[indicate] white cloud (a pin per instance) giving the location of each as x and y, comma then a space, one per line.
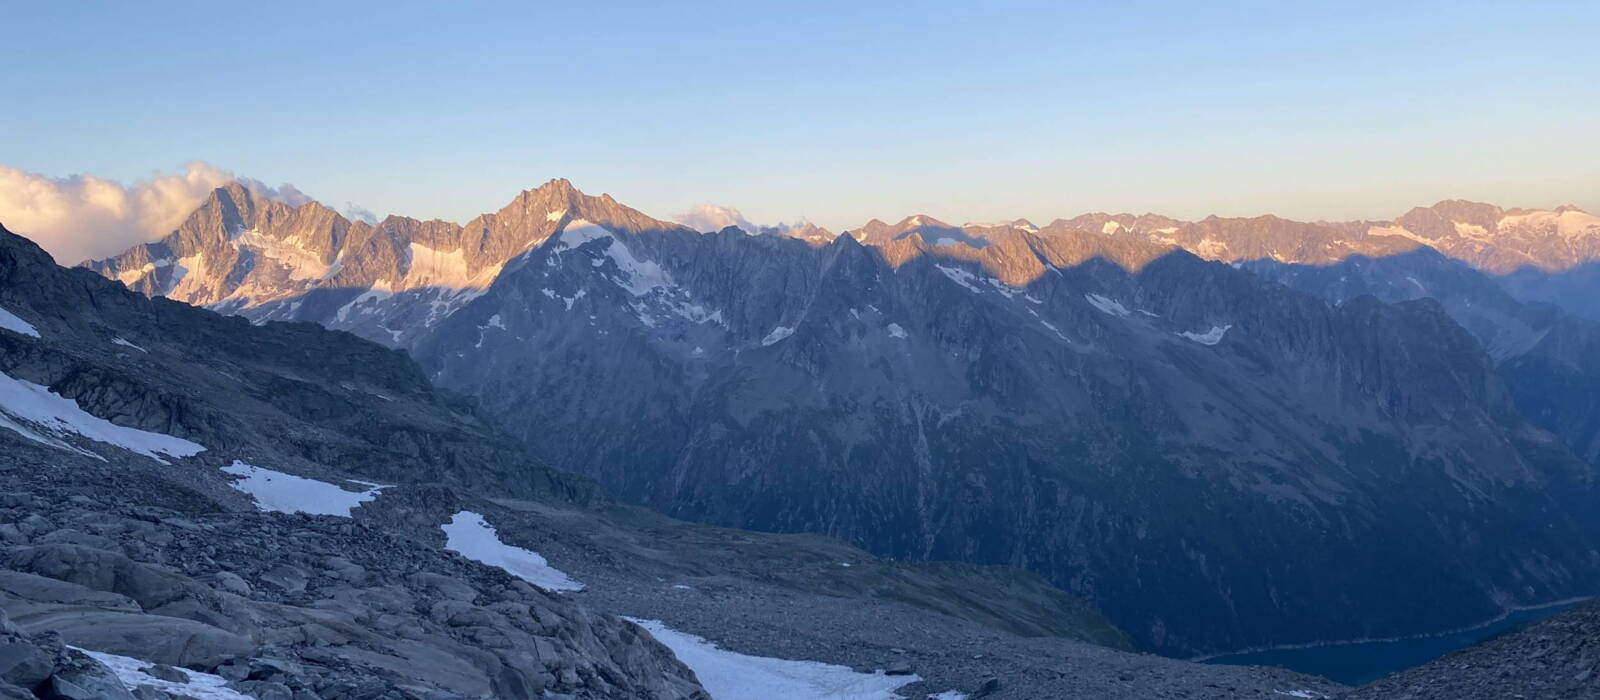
83, 216
711, 217
286, 193
356, 212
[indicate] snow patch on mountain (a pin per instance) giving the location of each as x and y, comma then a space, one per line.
124, 343
1473, 231
25, 401
200, 686
579, 231
569, 301
132, 276
430, 267
641, 275
698, 314
1211, 337
729, 675
638, 276
11, 322
469, 535
24, 431
278, 492
1569, 224
1398, 232
1107, 305
961, 277
1007, 290
189, 274
777, 334
288, 253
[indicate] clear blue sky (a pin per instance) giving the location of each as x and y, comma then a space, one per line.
835, 111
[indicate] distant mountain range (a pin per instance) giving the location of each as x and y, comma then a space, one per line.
1190, 423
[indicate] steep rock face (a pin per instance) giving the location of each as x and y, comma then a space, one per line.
244, 254
1548, 359
167, 367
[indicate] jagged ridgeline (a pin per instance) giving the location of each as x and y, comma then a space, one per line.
213, 507
1218, 461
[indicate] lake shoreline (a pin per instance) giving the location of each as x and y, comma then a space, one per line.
1504, 613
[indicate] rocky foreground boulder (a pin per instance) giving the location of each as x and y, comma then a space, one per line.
294, 607
41, 665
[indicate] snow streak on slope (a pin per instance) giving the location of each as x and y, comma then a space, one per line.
26, 401
1211, 337
961, 277
1108, 306
287, 493
124, 343
777, 334
10, 322
469, 535
290, 254
201, 686
730, 675
639, 276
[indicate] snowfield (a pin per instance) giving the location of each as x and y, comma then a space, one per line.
961, 277
1108, 306
10, 322
777, 334
124, 343
286, 493
730, 675
201, 686
469, 535
1211, 337
26, 401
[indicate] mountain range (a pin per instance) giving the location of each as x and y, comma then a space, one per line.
1186, 423
199, 507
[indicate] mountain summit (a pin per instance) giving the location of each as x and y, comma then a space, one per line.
263, 259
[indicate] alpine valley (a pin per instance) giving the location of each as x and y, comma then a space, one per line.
1224, 434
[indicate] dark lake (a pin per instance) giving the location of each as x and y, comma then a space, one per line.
1359, 663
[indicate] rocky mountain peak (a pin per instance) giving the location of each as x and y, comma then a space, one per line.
811, 233
921, 221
